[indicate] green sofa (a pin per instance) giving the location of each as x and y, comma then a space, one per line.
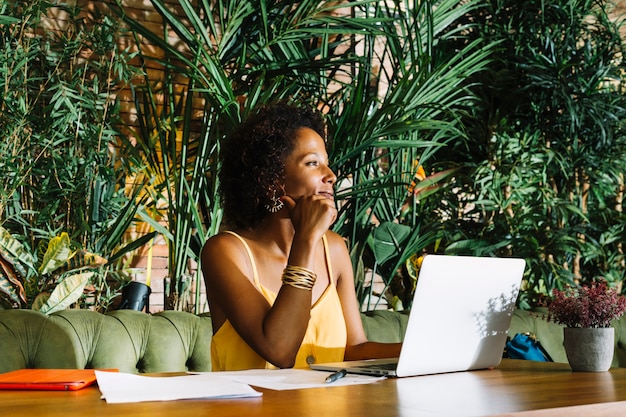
172, 341
131, 341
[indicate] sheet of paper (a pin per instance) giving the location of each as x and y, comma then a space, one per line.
129, 388
286, 379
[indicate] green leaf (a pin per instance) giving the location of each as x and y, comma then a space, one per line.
66, 293
40, 301
387, 239
15, 253
8, 20
11, 289
57, 254
83, 259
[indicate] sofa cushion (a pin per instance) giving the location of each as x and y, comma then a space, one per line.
29, 339
174, 341
384, 325
131, 341
127, 340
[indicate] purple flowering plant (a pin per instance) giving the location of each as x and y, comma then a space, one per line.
594, 305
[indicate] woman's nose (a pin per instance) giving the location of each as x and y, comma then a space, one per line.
330, 176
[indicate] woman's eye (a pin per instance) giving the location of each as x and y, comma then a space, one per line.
312, 163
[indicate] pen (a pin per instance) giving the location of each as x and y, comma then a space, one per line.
335, 376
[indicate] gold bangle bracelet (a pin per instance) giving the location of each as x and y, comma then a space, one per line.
299, 277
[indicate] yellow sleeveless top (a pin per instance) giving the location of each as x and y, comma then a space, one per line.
324, 341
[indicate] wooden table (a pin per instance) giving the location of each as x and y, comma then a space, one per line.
516, 387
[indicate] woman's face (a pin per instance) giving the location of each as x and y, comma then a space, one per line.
306, 168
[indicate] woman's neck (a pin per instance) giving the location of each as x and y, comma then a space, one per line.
275, 233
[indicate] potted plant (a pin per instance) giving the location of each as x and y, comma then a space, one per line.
587, 313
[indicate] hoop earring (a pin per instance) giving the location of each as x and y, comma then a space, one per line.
276, 206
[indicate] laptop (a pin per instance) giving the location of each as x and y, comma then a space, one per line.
459, 320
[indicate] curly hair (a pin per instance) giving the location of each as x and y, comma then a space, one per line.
253, 160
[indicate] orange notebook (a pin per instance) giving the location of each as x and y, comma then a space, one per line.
47, 379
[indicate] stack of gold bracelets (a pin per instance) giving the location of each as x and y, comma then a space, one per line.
299, 277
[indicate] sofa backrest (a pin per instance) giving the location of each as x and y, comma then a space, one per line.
175, 341
131, 341
127, 340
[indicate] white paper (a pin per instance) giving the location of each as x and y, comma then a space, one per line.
286, 379
119, 387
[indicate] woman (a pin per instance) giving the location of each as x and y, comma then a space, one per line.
280, 285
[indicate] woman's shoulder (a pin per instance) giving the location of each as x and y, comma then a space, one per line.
220, 243
335, 240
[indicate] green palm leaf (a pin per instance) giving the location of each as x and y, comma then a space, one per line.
394, 88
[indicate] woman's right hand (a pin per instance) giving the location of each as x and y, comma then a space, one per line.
311, 215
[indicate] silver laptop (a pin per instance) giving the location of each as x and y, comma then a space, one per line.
459, 319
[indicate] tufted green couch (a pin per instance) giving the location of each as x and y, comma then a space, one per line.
169, 341
127, 340
172, 341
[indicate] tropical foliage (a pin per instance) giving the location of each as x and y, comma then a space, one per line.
515, 109
51, 283
61, 69
485, 127
545, 169
392, 78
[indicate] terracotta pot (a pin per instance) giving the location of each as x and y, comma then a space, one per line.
589, 349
